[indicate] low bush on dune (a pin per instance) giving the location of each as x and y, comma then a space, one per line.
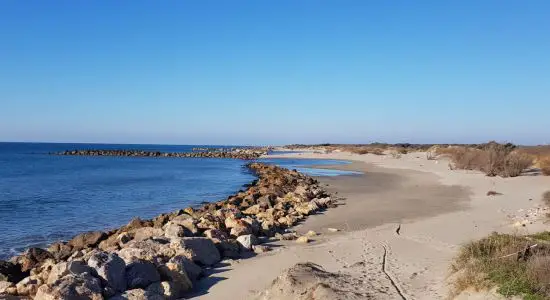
517, 265
360, 151
516, 163
544, 165
364, 150
493, 159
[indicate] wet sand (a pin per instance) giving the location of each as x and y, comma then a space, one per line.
382, 196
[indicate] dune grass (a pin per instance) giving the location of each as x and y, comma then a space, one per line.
544, 165
493, 159
502, 260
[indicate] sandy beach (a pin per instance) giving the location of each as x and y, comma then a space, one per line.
400, 225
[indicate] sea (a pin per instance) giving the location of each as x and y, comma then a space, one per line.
46, 198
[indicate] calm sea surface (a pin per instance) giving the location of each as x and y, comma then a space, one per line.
45, 198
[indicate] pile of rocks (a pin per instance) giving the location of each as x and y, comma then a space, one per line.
162, 258
247, 154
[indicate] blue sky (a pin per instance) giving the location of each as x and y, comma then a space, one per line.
287, 71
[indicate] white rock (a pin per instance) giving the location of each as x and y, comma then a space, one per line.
247, 241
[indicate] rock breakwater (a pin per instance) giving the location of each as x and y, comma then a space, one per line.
238, 153
161, 258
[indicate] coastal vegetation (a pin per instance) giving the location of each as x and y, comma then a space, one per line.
491, 158
515, 265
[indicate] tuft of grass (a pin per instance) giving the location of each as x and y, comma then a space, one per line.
543, 236
494, 261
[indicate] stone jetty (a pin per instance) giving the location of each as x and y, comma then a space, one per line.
236, 153
162, 258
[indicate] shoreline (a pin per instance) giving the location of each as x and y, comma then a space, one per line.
196, 238
419, 255
408, 215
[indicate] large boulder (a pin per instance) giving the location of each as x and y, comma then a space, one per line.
188, 222
199, 249
135, 223
42, 272
140, 274
193, 271
62, 269
176, 274
209, 221
28, 286
7, 288
229, 249
81, 287
111, 270
253, 210
216, 234
156, 250
307, 208
173, 230
241, 230
60, 250
11, 272
145, 233
87, 240
110, 244
33, 258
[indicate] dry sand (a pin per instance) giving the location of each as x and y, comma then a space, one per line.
435, 208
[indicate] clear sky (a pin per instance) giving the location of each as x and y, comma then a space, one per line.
285, 71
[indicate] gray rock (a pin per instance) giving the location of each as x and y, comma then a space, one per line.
58, 271
188, 223
140, 274
193, 270
144, 233
78, 267
111, 270
77, 287
200, 249
87, 240
151, 250
247, 241
229, 249
172, 230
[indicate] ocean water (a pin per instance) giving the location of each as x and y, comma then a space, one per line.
46, 198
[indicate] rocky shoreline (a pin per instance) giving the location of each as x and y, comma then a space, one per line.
235, 153
163, 257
